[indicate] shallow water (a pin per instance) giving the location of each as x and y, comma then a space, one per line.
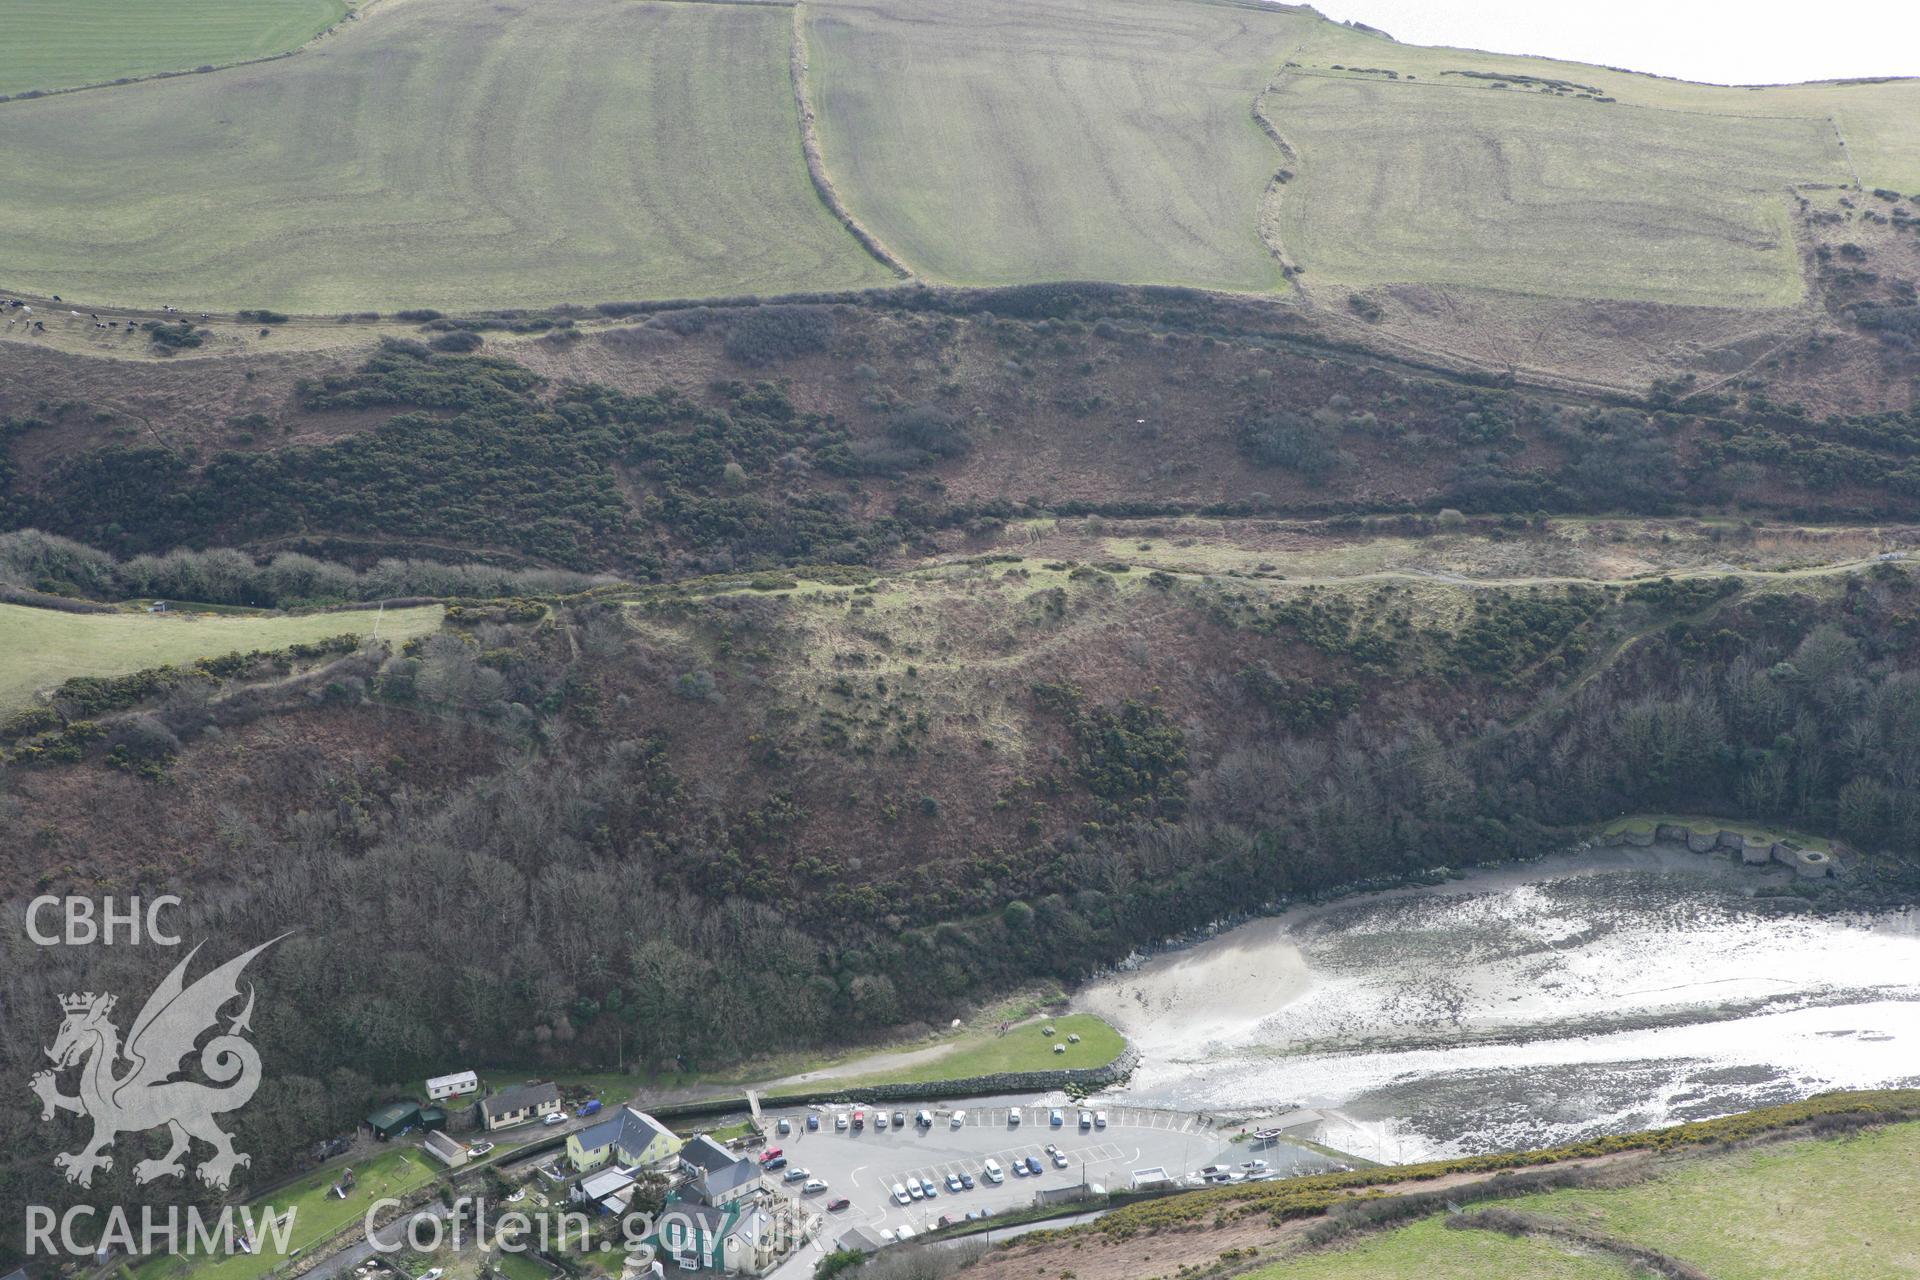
1590, 993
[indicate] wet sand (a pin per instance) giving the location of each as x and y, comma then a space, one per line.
1600, 992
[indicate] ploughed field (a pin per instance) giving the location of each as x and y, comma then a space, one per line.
433, 153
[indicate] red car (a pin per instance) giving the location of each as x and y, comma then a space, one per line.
835, 1206
768, 1155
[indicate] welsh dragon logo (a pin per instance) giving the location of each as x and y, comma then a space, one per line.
146, 1095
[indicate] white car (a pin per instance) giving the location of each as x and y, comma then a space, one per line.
840, 1120
906, 1232
814, 1187
555, 1118
1099, 1119
900, 1195
886, 1233
880, 1120
959, 1118
1013, 1118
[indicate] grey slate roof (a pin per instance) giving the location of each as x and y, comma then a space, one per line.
521, 1097
705, 1154
626, 1130
718, 1182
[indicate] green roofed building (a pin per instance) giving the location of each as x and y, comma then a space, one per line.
396, 1118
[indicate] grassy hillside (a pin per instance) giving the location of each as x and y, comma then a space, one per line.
43, 647
1071, 139
437, 154
55, 44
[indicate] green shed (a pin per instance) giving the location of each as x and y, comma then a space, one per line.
396, 1118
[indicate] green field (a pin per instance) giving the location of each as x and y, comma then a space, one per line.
1796, 1211
1449, 184
57, 44
40, 647
1018, 140
437, 153
1429, 1251
1800, 1210
317, 1215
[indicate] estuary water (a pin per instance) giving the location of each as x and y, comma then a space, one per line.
1588, 993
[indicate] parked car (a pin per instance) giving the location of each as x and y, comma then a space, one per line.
991, 1171
900, 1195
966, 1180
555, 1118
1059, 1159
778, 1162
770, 1153
927, 1188
886, 1233
814, 1187
913, 1189
959, 1118
1019, 1167
1052, 1150
899, 1119
953, 1184
880, 1120
905, 1232
1013, 1118
795, 1174
591, 1109
840, 1120
1055, 1119
859, 1118
1099, 1119
924, 1119
479, 1149
1033, 1165
835, 1206
784, 1128
813, 1122
1086, 1119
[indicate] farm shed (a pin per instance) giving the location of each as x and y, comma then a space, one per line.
394, 1118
